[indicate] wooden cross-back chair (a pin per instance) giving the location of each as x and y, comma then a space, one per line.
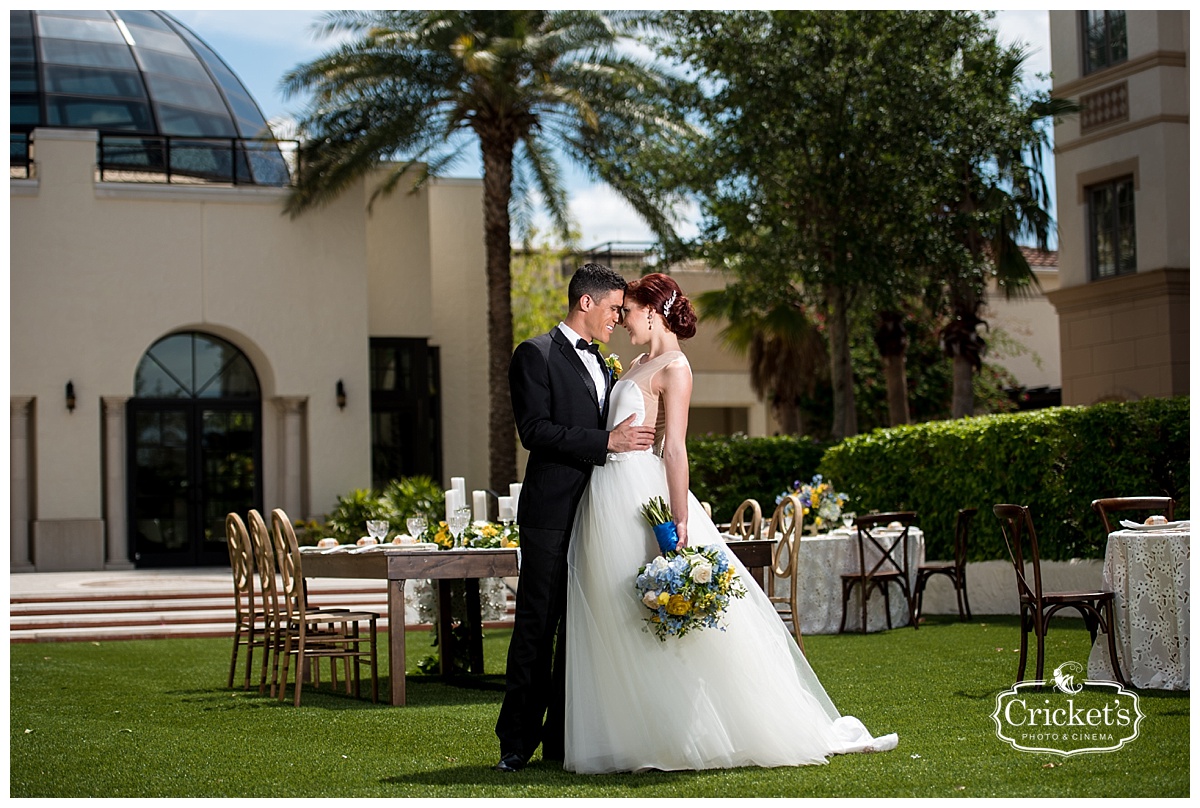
882, 561
1108, 505
1037, 605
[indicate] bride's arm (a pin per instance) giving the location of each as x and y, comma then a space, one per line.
676, 396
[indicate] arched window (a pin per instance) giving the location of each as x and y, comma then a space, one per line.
195, 449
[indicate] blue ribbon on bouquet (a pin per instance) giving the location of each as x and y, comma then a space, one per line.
667, 536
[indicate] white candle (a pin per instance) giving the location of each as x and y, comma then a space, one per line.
452, 502
515, 492
480, 503
459, 484
506, 508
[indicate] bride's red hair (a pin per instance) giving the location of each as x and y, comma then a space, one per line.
655, 291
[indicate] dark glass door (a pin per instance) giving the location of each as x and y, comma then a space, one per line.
191, 464
195, 450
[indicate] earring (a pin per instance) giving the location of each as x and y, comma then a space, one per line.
650, 320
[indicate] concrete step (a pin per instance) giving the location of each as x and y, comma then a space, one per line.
151, 606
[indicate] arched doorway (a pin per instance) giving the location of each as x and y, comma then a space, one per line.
195, 449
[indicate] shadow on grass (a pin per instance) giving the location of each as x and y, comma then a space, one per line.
537, 773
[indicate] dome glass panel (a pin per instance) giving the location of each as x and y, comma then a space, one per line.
140, 73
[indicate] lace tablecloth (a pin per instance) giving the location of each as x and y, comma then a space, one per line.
823, 559
1149, 574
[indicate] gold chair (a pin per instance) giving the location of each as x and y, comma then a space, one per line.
1038, 606
1115, 504
268, 590
785, 528
955, 570
747, 520
249, 630
891, 566
298, 623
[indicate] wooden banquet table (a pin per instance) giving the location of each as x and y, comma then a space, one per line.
1148, 571
396, 565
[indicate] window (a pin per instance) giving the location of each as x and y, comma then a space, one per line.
1104, 39
1112, 232
406, 434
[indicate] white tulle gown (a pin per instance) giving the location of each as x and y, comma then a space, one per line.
711, 699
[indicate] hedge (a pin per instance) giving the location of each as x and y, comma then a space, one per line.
727, 470
1055, 460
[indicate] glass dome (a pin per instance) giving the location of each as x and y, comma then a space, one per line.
148, 84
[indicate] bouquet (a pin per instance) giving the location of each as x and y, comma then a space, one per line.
658, 515
687, 589
819, 501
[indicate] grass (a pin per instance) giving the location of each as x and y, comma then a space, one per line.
154, 719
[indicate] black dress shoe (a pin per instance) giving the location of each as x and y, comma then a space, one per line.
510, 763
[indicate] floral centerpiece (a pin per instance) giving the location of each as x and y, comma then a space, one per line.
480, 535
821, 503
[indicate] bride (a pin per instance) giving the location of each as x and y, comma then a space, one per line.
745, 696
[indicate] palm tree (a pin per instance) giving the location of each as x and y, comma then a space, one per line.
1003, 196
788, 357
424, 86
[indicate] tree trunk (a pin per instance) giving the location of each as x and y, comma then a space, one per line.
897, 389
788, 416
963, 401
497, 191
845, 418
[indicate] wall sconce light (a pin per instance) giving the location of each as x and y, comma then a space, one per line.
341, 395
70, 397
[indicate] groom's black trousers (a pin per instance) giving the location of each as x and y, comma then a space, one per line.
535, 682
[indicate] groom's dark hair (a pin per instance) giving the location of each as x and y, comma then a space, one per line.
595, 281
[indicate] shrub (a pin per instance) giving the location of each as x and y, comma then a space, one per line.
727, 470
1056, 461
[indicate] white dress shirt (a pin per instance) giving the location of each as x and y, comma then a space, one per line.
590, 361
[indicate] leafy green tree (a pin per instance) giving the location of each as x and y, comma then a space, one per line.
539, 290
998, 195
424, 86
824, 159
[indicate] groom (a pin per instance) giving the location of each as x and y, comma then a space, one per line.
559, 387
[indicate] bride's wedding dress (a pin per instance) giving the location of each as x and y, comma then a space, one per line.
745, 696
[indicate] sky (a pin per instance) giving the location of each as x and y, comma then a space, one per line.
260, 46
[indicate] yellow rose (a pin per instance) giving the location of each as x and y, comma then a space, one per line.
664, 598
678, 605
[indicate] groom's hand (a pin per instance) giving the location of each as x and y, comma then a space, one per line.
627, 437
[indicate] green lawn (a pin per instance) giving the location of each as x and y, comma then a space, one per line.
154, 719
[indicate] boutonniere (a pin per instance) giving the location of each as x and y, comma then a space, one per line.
614, 365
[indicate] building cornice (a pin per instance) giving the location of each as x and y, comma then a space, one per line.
1124, 288
1094, 81
1109, 132
188, 193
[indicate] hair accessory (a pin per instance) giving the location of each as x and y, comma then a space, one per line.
670, 302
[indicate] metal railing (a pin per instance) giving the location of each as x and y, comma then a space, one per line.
196, 161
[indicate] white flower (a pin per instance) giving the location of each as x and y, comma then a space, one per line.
650, 599
658, 565
702, 572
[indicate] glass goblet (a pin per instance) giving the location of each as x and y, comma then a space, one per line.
848, 519
458, 521
416, 526
377, 529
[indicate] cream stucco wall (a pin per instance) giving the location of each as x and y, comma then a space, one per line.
101, 271
1032, 322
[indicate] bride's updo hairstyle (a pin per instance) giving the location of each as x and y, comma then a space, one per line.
662, 294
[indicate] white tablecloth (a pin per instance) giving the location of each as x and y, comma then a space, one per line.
823, 559
1149, 574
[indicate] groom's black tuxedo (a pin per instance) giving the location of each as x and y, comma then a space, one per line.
562, 425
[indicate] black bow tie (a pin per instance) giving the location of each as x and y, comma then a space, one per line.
584, 345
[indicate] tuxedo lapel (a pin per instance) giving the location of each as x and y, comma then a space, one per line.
568, 352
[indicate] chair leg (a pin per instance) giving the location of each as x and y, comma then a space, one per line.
887, 608
958, 591
1025, 627
845, 604
1041, 649
374, 664
237, 640
966, 600
250, 653
920, 594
